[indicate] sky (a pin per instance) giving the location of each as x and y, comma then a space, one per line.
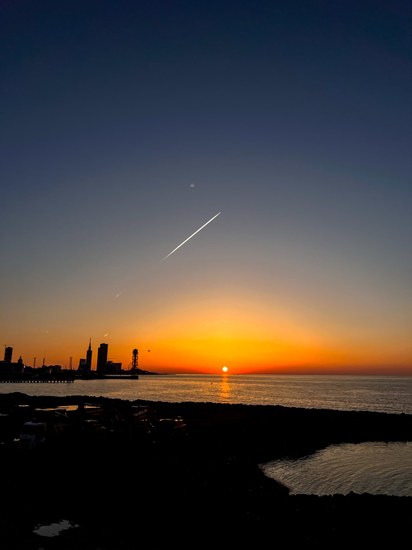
127, 126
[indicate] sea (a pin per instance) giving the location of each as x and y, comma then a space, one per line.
372, 467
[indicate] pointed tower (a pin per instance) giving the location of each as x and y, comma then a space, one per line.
89, 357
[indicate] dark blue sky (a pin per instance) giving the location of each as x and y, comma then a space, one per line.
126, 125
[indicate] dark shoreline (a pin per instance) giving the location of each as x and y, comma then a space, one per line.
144, 474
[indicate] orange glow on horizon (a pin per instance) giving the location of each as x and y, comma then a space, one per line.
200, 336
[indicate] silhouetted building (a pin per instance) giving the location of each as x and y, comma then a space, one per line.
102, 358
8, 354
82, 368
85, 365
51, 369
8, 368
113, 368
89, 357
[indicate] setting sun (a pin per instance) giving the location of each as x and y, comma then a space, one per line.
225, 369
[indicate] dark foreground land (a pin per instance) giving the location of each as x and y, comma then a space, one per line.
152, 475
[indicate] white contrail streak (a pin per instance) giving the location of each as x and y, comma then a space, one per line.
193, 234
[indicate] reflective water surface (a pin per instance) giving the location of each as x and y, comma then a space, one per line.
370, 393
375, 468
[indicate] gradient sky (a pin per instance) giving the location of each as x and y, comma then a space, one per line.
127, 125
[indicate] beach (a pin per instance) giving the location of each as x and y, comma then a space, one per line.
146, 474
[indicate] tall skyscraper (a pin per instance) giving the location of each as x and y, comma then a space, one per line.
102, 358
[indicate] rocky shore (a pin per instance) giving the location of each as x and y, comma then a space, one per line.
128, 475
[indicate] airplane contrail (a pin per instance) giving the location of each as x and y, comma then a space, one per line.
192, 235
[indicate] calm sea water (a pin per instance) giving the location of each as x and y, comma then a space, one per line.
376, 468
367, 393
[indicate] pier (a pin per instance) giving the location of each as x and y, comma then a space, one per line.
52, 379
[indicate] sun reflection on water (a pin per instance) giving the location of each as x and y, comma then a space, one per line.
225, 389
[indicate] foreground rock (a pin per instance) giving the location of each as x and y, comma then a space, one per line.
147, 474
